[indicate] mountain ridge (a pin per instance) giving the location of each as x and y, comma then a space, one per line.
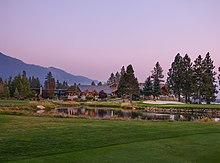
10, 66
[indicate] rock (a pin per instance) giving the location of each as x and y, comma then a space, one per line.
40, 111
40, 107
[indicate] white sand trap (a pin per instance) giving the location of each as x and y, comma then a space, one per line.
162, 102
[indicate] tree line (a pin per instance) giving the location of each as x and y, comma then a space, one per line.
22, 87
128, 85
193, 80
190, 80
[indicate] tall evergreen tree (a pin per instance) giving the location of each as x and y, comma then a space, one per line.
186, 77
219, 75
112, 79
157, 75
122, 71
6, 91
209, 81
117, 77
10, 85
174, 79
1, 88
122, 85
198, 75
128, 83
34, 82
49, 85
25, 86
16, 93
34, 85
148, 87
16, 83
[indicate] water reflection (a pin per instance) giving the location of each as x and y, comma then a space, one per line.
108, 113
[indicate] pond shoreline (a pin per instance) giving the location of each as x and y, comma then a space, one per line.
31, 108
153, 115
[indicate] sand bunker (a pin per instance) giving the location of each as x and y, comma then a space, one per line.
162, 102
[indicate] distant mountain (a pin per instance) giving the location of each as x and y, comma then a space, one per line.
11, 67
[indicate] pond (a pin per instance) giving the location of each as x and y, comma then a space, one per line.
130, 114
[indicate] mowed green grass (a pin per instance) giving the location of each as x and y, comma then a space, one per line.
46, 139
180, 106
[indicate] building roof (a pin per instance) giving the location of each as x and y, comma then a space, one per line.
97, 88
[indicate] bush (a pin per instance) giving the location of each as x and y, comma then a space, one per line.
89, 98
126, 105
113, 96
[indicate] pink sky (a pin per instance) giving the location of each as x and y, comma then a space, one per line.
95, 38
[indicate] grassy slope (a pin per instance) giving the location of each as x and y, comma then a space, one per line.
43, 139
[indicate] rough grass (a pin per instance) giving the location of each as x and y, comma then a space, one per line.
13, 102
45, 139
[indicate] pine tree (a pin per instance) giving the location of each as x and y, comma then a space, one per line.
34, 85
16, 93
157, 75
122, 71
1, 88
209, 81
6, 91
25, 86
37, 83
93, 83
174, 79
186, 77
59, 85
100, 84
148, 87
65, 85
112, 79
122, 85
10, 85
117, 77
34, 82
49, 85
128, 83
198, 75
17, 83
219, 76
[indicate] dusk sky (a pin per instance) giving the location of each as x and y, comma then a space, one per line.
96, 37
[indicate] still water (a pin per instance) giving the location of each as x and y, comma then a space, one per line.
129, 114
